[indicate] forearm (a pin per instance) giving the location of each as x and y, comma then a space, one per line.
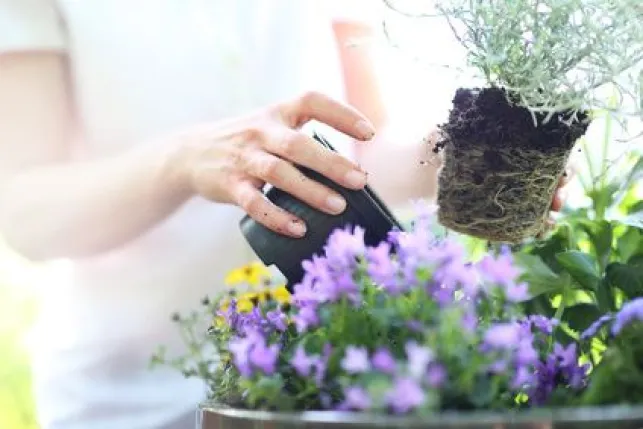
81, 209
399, 172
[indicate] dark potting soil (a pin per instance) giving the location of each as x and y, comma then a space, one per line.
485, 115
500, 170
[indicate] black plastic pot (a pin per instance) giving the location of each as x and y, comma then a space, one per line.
364, 208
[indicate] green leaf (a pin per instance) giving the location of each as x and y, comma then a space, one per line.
581, 266
634, 219
538, 275
605, 296
629, 243
601, 235
628, 278
580, 316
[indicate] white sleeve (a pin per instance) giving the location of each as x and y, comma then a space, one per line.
27, 25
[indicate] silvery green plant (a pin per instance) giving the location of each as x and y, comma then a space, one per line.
553, 55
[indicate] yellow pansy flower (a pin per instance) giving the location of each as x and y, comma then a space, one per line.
281, 294
252, 274
247, 302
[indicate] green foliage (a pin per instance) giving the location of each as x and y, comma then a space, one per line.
16, 402
552, 54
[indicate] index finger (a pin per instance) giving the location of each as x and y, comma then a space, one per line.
342, 117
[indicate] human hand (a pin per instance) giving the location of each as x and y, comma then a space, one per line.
230, 162
558, 200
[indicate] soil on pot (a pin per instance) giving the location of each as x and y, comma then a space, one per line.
500, 171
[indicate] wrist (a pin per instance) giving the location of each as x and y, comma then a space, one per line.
169, 169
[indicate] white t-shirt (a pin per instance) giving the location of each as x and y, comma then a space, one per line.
141, 68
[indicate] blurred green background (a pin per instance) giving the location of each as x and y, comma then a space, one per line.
17, 310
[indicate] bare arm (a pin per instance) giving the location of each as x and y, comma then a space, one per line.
50, 206
399, 172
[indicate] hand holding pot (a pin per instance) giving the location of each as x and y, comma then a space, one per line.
230, 162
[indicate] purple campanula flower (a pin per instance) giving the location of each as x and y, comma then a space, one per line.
498, 366
355, 360
502, 336
355, 398
419, 358
524, 376
443, 294
321, 365
278, 320
406, 395
264, 357
525, 351
344, 247
436, 375
517, 292
383, 269
305, 318
384, 361
230, 314
596, 326
566, 356
470, 319
545, 382
499, 270
304, 293
560, 369
240, 348
543, 324
301, 362
344, 286
631, 312
457, 275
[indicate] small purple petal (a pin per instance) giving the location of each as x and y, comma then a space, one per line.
305, 318
384, 361
596, 326
436, 375
631, 312
419, 358
265, 357
406, 395
502, 335
301, 362
356, 360
356, 398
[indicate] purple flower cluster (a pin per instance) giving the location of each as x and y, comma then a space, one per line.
313, 365
559, 369
630, 313
252, 352
430, 301
409, 378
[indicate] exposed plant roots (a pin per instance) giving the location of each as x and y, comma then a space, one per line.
500, 172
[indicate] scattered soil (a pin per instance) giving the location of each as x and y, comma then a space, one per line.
500, 171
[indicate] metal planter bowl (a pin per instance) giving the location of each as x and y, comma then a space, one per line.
213, 416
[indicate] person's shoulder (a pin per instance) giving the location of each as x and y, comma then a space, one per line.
30, 25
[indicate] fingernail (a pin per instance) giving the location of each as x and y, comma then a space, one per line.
366, 129
335, 204
297, 228
355, 179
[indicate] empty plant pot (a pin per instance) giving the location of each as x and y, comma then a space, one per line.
500, 171
364, 209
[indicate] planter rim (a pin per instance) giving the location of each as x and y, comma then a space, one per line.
606, 414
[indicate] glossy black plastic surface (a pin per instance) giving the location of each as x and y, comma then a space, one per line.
364, 208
